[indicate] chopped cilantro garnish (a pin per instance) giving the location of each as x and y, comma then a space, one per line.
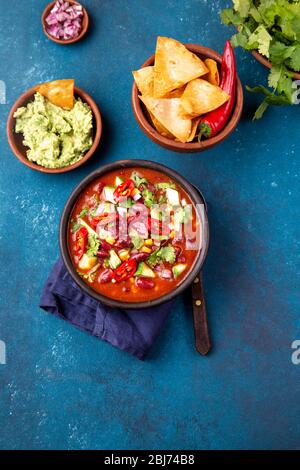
75, 226
83, 212
127, 203
149, 198
165, 185
166, 253
137, 179
93, 245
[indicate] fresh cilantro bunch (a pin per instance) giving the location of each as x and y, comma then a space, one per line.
273, 28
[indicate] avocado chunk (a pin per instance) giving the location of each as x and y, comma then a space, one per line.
178, 269
114, 260
87, 262
108, 194
144, 270
118, 180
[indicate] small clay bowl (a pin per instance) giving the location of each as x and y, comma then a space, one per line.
16, 140
264, 61
144, 121
85, 24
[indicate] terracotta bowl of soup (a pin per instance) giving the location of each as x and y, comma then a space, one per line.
144, 121
134, 234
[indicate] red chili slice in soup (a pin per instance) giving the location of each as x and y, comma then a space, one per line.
81, 242
123, 190
125, 270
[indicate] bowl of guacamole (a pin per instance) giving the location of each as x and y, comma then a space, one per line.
51, 139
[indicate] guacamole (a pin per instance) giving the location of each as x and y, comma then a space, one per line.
55, 137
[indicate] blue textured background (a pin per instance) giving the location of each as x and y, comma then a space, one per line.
64, 389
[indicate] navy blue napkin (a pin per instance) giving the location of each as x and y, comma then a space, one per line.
133, 331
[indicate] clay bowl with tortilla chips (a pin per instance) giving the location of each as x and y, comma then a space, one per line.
16, 140
183, 138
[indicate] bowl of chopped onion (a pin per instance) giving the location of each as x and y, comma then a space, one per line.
65, 22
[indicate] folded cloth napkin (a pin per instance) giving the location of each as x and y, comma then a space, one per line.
133, 331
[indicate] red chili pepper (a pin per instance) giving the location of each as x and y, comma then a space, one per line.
105, 218
95, 221
123, 190
125, 270
81, 242
212, 123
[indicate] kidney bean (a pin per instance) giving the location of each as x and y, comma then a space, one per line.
140, 257
144, 283
105, 246
178, 251
123, 243
151, 187
164, 242
100, 187
106, 276
102, 254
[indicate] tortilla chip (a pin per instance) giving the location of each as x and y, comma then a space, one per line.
175, 93
167, 112
59, 92
213, 76
144, 80
201, 97
160, 128
174, 66
195, 123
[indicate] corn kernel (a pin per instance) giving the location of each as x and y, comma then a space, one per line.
149, 242
145, 249
123, 255
110, 240
135, 191
172, 234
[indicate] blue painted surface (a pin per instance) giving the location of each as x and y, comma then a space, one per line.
64, 389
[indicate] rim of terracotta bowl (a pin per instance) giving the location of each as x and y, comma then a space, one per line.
264, 61
143, 119
85, 24
15, 140
196, 198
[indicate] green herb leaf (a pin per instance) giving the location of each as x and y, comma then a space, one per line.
166, 253
165, 185
127, 203
137, 179
149, 198
260, 39
83, 212
75, 226
242, 7
229, 16
93, 245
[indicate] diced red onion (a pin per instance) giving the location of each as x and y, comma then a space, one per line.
166, 274
65, 20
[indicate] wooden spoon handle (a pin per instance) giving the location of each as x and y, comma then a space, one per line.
202, 339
